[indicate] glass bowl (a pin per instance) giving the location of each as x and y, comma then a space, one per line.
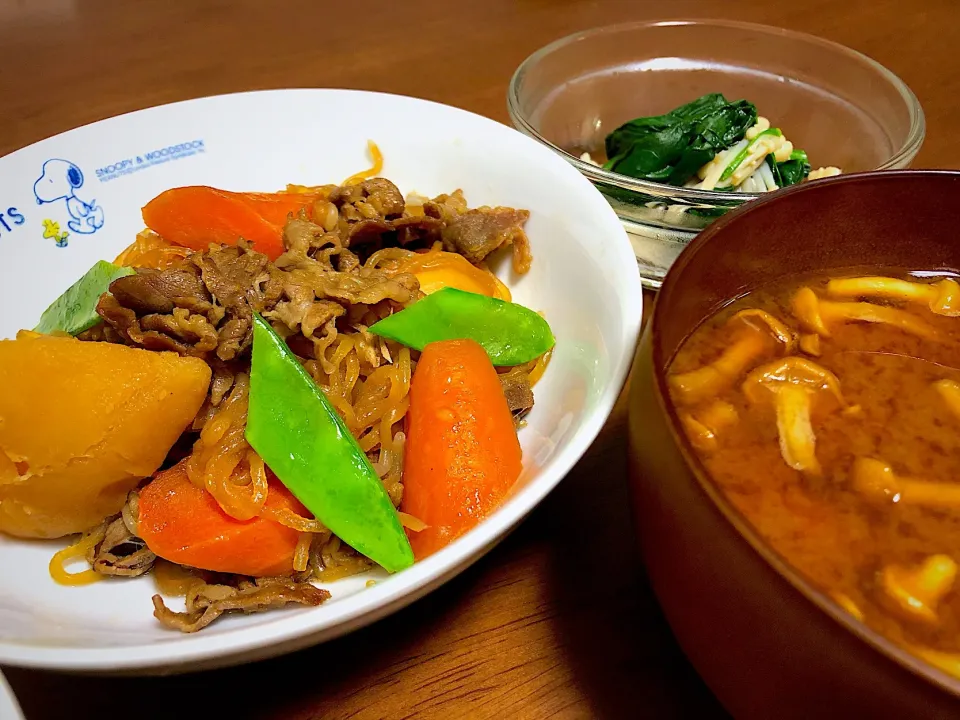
840, 106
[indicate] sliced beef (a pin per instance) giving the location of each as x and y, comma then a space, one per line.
101, 332
371, 215
223, 378
318, 315
202, 307
417, 230
412, 231
302, 312
365, 232
308, 275
121, 553
477, 233
156, 291
236, 335
205, 603
238, 278
125, 323
191, 330
303, 238
346, 195
384, 196
517, 390
367, 287
377, 197
347, 261
446, 207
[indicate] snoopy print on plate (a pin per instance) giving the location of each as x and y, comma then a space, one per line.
68, 212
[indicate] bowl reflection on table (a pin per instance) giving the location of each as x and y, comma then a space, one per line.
843, 108
767, 642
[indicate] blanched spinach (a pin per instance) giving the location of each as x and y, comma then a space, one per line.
671, 148
790, 171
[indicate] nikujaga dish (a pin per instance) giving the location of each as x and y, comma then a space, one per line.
270, 389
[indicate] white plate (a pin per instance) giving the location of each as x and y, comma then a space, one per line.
92, 182
9, 708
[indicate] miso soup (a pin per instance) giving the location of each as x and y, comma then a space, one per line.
827, 411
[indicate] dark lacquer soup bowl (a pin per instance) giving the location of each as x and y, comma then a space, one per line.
766, 640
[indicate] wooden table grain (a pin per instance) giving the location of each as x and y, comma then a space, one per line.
558, 621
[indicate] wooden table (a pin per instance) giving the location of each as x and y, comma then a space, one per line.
559, 619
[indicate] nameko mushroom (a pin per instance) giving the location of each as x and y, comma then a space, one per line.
916, 592
794, 386
847, 604
755, 333
877, 481
816, 315
941, 297
810, 344
703, 425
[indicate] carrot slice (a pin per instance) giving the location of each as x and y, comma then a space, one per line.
184, 524
462, 454
275, 207
196, 216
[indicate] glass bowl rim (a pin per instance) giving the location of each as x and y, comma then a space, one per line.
907, 150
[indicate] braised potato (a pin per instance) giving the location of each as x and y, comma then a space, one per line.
81, 423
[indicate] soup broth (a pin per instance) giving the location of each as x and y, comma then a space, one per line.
831, 421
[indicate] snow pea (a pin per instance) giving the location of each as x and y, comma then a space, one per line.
302, 438
76, 309
510, 333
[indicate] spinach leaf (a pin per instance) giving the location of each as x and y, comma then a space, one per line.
671, 148
790, 171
